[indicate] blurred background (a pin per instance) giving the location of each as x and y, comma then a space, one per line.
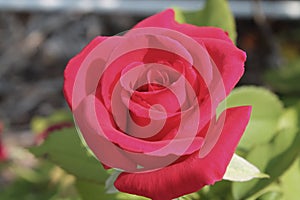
39, 37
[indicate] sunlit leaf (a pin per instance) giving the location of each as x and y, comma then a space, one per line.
271, 192
215, 13
266, 112
39, 124
191, 196
125, 196
33, 184
109, 184
271, 196
111, 189
65, 149
289, 182
216, 191
90, 190
272, 158
241, 170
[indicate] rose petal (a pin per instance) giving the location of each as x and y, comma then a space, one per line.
3, 154
103, 139
93, 119
166, 19
197, 56
228, 59
73, 66
40, 138
191, 174
139, 49
228, 67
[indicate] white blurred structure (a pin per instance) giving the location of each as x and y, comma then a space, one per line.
240, 8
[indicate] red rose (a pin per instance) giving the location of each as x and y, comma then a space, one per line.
145, 103
41, 137
3, 155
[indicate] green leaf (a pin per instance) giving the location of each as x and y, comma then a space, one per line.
241, 170
215, 13
65, 149
125, 196
285, 80
219, 189
284, 188
111, 189
274, 157
109, 184
289, 181
271, 196
22, 189
191, 196
37, 183
273, 191
39, 124
266, 111
89, 190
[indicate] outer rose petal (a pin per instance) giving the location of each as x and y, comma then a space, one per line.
41, 137
73, 67
112, 155
166, 19
193, 173
228, 59
89, 127
3, 155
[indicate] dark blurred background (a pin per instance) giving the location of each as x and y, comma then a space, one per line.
38, 37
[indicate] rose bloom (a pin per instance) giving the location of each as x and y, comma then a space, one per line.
3, 155
42, 136
145, 103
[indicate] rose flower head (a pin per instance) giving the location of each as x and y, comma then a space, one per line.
145, 103
3, 154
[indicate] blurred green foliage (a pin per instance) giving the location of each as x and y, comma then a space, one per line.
285, 80
43, 181
215, 13
39, 124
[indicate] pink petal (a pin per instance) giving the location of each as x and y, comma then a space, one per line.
73, 67
166, 19
112, 147
228, 59
93, 119
133, 52
3, 154
41, 137
193, 173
